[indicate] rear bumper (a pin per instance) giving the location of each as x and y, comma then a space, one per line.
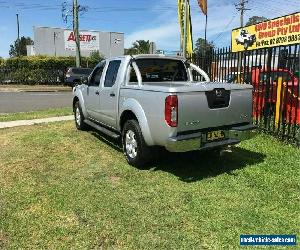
197, 141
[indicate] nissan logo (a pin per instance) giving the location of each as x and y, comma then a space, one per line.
219, 92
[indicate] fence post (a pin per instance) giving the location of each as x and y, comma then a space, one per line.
278, 102
267, 89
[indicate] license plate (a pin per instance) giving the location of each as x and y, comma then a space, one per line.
215, 135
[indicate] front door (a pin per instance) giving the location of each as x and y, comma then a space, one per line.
109, 95
93, 93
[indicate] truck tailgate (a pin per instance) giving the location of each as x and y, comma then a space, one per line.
211, 105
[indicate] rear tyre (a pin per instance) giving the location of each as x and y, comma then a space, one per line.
79, 118
136, 151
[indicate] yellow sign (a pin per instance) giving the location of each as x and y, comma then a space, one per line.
181, 17
279, 31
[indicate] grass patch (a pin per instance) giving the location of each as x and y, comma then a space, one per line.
62, 189
36, 114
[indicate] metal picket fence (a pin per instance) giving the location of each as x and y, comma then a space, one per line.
274, 75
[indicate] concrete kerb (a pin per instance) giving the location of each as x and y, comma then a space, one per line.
12, 124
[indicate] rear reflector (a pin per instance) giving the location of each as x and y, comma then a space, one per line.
171, 110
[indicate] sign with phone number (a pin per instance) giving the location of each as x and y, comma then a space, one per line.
279, 31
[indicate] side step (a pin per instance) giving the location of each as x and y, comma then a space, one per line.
102, 129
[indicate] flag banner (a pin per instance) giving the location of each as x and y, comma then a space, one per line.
181, 16
203, 6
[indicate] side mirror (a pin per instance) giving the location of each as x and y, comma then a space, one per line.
84, 80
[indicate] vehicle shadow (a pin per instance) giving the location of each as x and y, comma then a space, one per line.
196, 165
116, 144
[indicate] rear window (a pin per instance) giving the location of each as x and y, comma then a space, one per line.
80, 71
160, 70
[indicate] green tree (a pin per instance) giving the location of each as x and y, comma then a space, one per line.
130, 51
139, 47
96, 56
91, 61
20, 45
203, 47
256, 19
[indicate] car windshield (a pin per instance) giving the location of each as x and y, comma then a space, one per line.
82, 71
160, 70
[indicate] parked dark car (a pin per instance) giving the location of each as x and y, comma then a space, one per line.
74, 75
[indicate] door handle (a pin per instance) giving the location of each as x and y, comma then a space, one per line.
112, 94
97, 93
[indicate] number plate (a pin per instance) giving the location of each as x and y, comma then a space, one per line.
215, 135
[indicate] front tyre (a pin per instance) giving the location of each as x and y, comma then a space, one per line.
79, 118
136, 151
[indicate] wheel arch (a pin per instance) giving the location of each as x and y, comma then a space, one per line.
126, 115
79, 98
75, 99
133, 110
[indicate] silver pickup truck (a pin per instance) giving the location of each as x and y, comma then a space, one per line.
154, 100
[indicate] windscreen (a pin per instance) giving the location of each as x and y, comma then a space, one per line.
160, 70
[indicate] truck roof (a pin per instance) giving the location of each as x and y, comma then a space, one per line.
140, 56
157, 56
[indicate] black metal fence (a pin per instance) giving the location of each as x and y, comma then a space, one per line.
274, 75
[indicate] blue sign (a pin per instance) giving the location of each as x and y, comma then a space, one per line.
268, 240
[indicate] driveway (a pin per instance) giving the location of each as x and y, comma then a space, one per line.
11, 102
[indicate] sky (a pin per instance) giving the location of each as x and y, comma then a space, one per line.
154, 20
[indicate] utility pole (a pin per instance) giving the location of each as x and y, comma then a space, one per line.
241, 7
54, 40
18, 28
76, 31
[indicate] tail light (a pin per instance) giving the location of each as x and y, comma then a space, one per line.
171, 110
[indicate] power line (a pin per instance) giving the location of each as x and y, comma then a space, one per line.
225, 28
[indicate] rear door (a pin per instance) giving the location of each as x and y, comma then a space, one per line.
108, 94
93, 92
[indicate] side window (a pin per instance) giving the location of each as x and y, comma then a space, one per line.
96, 77
111, 73
196, 76
133, 78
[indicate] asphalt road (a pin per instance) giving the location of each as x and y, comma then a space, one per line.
11, 102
